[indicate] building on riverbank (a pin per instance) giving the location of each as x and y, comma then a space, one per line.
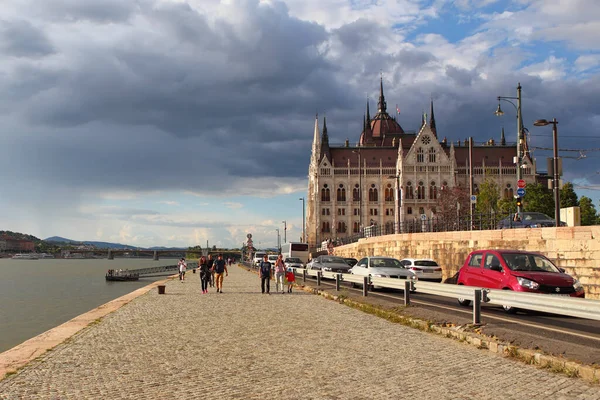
19, 245
354, 186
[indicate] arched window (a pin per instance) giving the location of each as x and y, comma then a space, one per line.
508, 191
432, 191
355, 227
389, 193
325, 227
420, 155
410, 194
325, 196
341, 193
341, 227
373, 195
432, 155
356, 193
421, 191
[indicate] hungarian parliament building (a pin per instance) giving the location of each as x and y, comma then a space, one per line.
354, 186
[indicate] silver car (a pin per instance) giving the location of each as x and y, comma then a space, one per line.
293, 262
381, 267
329, 264
425, 269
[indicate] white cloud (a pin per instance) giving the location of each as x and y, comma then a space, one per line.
169, 202
550, 69
587, 62
233, 205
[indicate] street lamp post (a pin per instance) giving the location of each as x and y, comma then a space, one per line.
278, 246
398, 200
284, 231
555, 183
360, 210
303, 221
520, 133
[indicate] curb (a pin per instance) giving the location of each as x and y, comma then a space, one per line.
555, 364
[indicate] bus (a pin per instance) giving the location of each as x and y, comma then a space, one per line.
295, 249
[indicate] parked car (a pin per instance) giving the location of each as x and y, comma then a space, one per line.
351, 261
382, 267
293, 262
521, 271
329, 264
528, 220
258, 257
272, 258
425, 269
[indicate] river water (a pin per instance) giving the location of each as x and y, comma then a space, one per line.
37, 295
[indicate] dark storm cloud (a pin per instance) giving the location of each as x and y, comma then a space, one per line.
100, 11
21, 39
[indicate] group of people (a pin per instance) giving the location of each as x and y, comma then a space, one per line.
212, 272
265, 271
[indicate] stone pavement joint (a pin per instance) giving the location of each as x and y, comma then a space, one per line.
245, 345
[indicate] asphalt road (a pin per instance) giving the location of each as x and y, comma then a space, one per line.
570, 337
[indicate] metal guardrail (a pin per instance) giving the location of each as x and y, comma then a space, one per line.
560, 305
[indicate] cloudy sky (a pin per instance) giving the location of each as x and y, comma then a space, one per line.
174, 122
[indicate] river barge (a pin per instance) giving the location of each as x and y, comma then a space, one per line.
120, 275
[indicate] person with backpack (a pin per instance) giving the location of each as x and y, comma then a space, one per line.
264, 271
204, 274
210, 263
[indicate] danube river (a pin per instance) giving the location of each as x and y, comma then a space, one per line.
37, 295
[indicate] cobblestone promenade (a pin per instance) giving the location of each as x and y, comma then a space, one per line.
245, 345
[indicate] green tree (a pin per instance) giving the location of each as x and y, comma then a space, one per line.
506, 206
568, 197
588, 211
487, 199
538, 198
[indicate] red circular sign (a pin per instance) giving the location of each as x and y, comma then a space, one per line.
521, 183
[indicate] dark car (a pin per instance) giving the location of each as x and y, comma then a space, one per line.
329, 264
351, 261
527, 220
521, 271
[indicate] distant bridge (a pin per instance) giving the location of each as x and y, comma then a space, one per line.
156, 253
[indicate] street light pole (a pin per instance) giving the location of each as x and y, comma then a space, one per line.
520, 133
278, 246
397, 205
284, 231
556, 176
303, 220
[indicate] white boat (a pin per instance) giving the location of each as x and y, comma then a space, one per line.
46, 255
25, 256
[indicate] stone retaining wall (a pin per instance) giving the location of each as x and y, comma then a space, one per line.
576, 249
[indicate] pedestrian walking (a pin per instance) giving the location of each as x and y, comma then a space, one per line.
210, 263
182, 266
204, 274
264, 271
290, 278
279, 274
220, 267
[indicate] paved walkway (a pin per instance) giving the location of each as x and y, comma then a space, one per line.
245, 345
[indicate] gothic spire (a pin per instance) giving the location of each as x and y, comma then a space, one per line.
502, 138
368, 114
324, 137
382, 106
422, 118
432, 121
316, 146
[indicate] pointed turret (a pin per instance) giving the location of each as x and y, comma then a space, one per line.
368, 113
432, 121
381, 105
422, 119
502, 138
316, 147
325, 140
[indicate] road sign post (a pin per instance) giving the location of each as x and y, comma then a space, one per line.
521, 184
520, 192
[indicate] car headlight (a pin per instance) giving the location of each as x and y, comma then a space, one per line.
326, 268
528, 283
577, 285
380, 276
534, 226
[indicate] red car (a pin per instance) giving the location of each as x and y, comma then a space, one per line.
521, 271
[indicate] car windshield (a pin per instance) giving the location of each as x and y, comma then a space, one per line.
272, 258
337, 260
528, 262
536, 217
425, 263
385, 263
293, 260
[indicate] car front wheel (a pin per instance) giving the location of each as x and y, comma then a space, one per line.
464, 302
509, 309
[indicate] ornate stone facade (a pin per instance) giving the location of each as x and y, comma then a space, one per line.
350, 187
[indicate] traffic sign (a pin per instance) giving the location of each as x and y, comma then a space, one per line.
423, 217
473, 199
520, 192
521, 183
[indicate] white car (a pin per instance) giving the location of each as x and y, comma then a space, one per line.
381, 267
258, 257
293, 262
272, 258
425, 269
